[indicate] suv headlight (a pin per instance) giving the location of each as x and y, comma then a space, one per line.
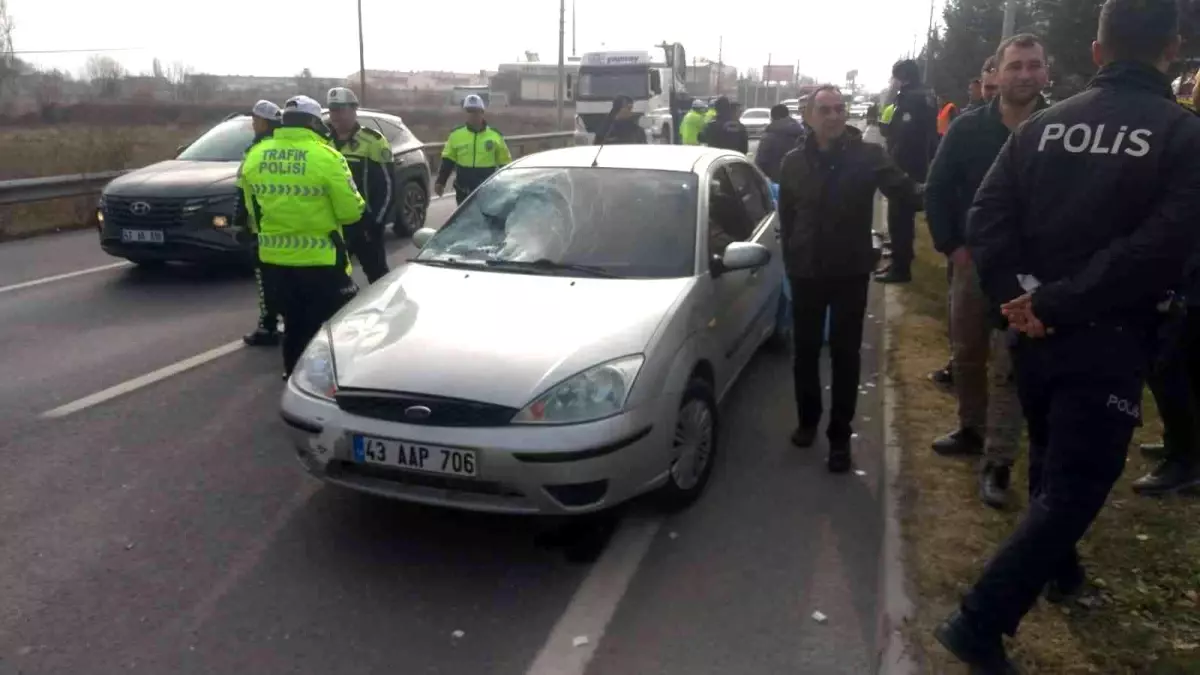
596, 393
315, 373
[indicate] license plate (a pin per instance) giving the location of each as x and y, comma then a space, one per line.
142, 236
415, 456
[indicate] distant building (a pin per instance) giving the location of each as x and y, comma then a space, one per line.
427, 80
535, 83
704, 77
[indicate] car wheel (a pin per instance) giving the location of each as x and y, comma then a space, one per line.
694, 448
410, 213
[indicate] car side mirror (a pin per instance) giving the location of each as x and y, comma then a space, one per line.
743, 255
422, 236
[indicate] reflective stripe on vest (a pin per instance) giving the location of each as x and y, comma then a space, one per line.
294, 242
285, 190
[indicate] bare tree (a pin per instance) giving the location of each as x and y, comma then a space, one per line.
156, 69
9, 68
105, 73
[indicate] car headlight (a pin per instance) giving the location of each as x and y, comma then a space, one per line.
597, 392
315, 374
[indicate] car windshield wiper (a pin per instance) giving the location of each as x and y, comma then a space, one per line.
448, 262
545, 264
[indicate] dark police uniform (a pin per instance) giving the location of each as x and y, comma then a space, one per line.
1096, 198
268, 311
911, 141
370, 158
473, 155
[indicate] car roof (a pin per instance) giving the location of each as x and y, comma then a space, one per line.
750, 110
365, 112
685, 158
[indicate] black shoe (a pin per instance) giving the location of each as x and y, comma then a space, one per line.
1154, 451
804, 437
1067, 586
961, 443
839, 456
984, 653
1172, 475
943, 378
262, 337
894, 276
993, 485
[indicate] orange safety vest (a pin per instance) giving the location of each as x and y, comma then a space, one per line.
945, 117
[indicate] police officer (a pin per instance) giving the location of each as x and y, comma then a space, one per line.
265, 120
693, 122
302, 193
370, 158
911, 139
725, 130
1077, 232
473, 152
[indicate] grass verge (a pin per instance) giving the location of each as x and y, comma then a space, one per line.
1143, 554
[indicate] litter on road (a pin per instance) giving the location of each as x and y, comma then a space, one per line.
458, 634
819, 617
580, 641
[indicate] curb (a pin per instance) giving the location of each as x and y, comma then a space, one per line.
895, 654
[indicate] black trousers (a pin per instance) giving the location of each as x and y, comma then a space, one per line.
1175, 383
308, 297
364, 239
1081, 394
845, 298
268, 304
901, 230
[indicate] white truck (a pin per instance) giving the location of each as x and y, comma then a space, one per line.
654, 78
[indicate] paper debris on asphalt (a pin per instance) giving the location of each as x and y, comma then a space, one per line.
854, 435
819, 617
580, 641
860, 472
674, 535
458, 634
1143, 537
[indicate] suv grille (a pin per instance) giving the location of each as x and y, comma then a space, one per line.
162, 214
443, 412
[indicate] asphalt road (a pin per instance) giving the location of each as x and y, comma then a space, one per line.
168, 530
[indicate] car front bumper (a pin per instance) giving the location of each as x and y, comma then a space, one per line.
523, 469
184, 244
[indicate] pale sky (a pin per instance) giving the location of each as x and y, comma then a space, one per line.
250, 37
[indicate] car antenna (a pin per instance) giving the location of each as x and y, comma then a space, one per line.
596, 159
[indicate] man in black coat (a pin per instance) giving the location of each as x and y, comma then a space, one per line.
725, 130
780, 137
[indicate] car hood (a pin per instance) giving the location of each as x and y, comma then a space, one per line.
177, 178
493, 337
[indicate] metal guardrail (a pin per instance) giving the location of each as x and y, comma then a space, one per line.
28, 190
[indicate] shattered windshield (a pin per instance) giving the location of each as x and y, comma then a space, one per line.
612, 222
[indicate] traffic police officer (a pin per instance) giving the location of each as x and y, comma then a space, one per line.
370, 158
693, 122
302, 194
1078, 231
473, 152
265, 120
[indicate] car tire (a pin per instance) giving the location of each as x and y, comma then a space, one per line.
411, 208
694, 448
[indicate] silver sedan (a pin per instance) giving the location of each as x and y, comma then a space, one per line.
559, 346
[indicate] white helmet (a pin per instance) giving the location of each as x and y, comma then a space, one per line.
341, 96
472, 102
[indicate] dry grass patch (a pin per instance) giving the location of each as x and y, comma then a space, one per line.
1143, 554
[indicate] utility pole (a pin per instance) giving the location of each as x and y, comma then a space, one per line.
1010, 19
766, 81
720, 62
562, 71
929, 48
572, 27
362, 62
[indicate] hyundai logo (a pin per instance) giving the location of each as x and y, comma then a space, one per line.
417, 412
139, 208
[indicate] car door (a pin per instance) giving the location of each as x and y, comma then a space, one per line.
764, 285
732, 311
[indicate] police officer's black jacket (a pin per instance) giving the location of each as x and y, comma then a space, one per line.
827, 204
241, 215
727, 134
621, 132
372, 176
912, 132
1097, 198
963, 158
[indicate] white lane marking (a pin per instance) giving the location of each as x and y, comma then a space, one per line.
596, 600
144, 380
60, 277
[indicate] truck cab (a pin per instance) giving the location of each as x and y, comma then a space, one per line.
653, 78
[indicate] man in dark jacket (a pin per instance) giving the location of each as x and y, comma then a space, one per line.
778, 139
621, 127
911, 140
1079, 229
264, 118
829, 255
989, 414
725, 130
